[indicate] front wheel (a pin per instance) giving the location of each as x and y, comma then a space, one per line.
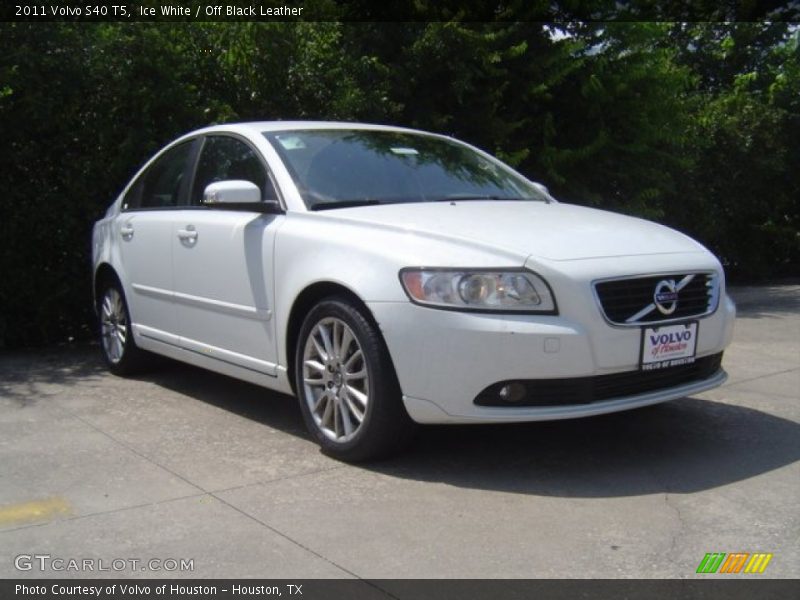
348, 391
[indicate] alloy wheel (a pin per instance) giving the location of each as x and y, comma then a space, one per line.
335, 379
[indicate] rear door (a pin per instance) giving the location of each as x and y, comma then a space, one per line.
144, 231
223, 263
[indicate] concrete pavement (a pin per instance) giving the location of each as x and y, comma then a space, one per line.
185, 464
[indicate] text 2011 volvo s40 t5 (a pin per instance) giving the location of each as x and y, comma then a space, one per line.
387, 276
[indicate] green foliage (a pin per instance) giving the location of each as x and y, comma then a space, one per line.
743, 187
692, 124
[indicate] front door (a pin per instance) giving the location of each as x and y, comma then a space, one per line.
223, 264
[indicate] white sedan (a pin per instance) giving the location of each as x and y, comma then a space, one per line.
388, 277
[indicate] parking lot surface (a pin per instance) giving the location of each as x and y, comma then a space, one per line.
185, 464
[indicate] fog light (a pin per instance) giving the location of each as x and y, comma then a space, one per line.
512, 392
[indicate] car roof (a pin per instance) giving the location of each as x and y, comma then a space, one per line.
257, 127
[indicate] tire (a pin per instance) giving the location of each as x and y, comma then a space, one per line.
346, 384
120, 353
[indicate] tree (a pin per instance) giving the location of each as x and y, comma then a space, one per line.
692, 124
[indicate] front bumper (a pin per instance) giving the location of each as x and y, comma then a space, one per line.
445, 359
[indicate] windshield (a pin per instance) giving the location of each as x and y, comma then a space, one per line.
340, 167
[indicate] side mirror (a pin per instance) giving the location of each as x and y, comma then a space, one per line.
238, 194
234, 191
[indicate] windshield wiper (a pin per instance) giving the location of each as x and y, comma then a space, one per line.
343, 204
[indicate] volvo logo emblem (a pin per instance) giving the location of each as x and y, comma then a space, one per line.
666, 296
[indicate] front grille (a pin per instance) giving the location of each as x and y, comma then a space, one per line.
585, 390
623, 299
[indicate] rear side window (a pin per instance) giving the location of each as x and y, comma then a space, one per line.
163, 184
224, 158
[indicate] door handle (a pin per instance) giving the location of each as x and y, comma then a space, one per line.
126, 231
189, 234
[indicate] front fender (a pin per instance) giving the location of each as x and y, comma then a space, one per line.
365, 259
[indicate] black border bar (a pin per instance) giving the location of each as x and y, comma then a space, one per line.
400, 10
711, 587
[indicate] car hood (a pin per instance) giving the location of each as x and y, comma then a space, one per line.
555, 231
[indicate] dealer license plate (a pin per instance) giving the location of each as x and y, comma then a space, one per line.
668, 345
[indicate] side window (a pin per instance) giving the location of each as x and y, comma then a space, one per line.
224, 158
160, 186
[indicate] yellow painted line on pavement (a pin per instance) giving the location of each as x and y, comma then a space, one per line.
36, 510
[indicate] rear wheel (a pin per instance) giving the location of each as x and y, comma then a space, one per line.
348, 391
120, 352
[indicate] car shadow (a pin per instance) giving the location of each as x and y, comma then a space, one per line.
269, 408
682, 446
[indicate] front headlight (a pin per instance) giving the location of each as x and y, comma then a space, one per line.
479, 289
